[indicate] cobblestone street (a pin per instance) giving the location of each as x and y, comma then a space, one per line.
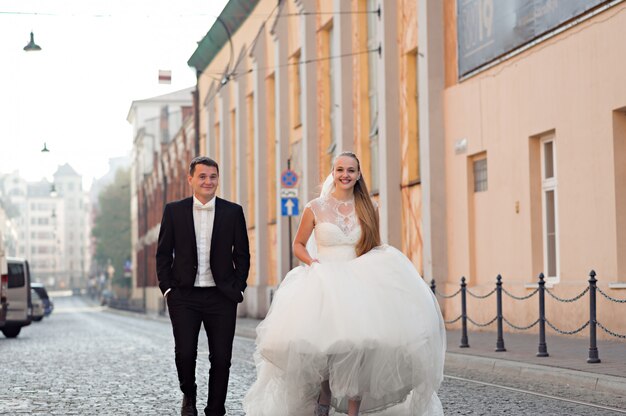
84, 360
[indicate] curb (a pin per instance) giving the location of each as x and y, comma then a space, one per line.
590, 381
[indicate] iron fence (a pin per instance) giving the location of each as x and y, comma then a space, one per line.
591, 290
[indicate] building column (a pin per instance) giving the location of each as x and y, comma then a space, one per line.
259, 298
281, 60
342, 21
389, 128
310, 155
209, 106
225, 143
241, 134
431, 132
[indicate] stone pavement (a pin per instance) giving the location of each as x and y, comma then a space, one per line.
565, 352
86, 359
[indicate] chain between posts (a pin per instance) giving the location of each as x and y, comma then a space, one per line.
608, 331
454, 320
447, 296
609, 297
520, 328
560, 331
565, 300
481, 296
530, 295
482, 325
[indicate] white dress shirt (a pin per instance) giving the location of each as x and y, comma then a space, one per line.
203, 217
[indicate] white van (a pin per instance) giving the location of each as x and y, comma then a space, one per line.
19, 312
4, 283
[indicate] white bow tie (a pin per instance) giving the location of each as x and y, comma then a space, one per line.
208, 207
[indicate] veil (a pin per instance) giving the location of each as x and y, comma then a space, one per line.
327, 188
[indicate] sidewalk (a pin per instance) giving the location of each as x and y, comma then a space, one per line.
566, 364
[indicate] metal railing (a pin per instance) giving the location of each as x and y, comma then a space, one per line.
541, 291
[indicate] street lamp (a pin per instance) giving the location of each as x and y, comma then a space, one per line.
45, 148
32, 46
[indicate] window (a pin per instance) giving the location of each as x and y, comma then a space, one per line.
333, 73
372, 91
480, 174
298, 88
549, 206
16, 275
327, 138
412, 107
250, 159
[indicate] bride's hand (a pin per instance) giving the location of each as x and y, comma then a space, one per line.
314, 261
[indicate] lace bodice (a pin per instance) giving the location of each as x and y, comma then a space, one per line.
337, 228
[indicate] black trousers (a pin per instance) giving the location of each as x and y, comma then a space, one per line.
188, 308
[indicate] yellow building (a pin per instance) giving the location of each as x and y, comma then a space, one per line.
294, 83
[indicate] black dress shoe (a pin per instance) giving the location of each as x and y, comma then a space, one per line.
189, 406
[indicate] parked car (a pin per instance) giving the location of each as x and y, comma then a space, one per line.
48, 305
4, 286
37, 306
19, 311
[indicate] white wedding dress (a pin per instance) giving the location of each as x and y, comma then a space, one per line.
369, 324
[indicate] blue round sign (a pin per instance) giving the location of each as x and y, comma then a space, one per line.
289, 178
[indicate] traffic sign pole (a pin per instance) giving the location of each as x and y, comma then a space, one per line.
289, 219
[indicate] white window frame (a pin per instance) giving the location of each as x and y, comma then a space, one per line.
547, 185
333, 78
373, 42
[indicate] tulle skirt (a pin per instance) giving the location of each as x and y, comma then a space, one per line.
371, 326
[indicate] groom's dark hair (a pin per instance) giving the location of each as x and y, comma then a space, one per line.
202, 160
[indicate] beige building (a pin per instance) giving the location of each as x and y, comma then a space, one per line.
534, 148
296, 83
493, 135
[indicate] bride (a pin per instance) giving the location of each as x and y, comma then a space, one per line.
354, 330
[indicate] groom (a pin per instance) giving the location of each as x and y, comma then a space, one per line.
203, 261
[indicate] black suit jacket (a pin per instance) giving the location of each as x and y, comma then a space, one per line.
177, 253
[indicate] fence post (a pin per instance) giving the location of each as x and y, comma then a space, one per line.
543, 348
433, 286
593, 348
464, 343
500, 341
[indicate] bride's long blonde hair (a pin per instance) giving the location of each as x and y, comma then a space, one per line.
365, 211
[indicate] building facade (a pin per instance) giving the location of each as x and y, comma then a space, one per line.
534, 148
294, 83
76, 235
492, 135
163, 146
50, 226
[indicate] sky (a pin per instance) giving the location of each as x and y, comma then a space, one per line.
97, 57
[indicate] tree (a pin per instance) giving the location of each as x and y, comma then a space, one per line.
112, 227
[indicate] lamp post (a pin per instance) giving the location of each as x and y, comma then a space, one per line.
32, 46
